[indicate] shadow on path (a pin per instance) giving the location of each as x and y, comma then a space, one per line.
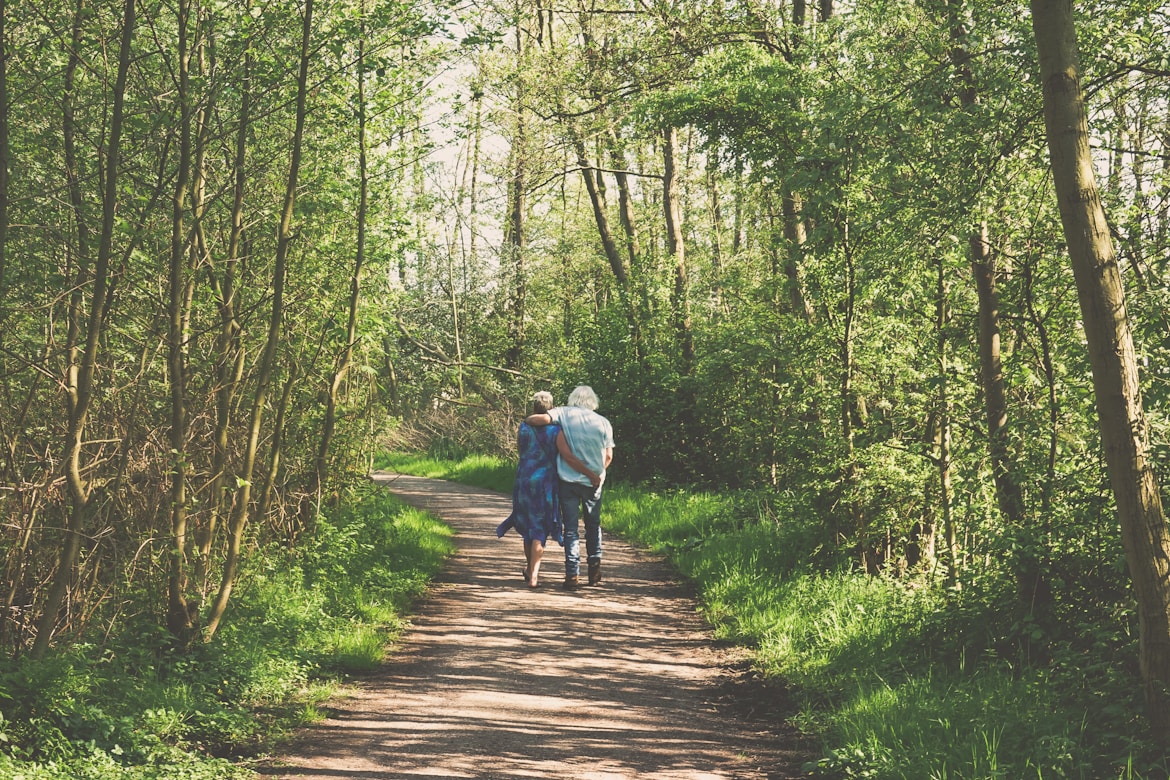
494, 680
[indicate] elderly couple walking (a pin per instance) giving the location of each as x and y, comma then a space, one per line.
564, 452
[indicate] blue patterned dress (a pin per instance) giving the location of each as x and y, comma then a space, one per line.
535, 505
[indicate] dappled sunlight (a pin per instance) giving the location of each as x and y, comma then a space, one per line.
498, 681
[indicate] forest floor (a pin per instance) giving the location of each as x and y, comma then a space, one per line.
494, 680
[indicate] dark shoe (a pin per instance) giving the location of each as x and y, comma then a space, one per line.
571, 583
594, 572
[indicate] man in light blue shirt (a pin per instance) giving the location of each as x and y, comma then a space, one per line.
588, 436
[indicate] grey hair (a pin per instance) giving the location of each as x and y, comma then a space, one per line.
542, 399
584, 397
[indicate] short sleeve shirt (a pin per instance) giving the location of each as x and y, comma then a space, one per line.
589, 435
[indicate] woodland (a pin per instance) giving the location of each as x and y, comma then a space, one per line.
893, 278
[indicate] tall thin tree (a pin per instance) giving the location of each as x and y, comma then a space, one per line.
285, 235
1116, 387
180, 620
4, 152
79, 384
341, 367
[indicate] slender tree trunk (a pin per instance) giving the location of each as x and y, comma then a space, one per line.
603, 221
180, 620
239, 518
394, 395
514, 230
608, 243
418, 186
612, 253
329, 424
515, 248
1161, 216
680, 299
229, 367
82, 254
850, 475
1121, 419
737, 216
625, 202
921, 551
796, 235
4, 155
776, 266
79, 385
716, 213
276, 450
1032, 589
983, 268
943, 437
473, 215
792, 205
1049, 368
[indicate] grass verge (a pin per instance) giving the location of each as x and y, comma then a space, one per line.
133, 707
482, 471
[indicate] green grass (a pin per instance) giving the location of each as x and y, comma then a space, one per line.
896, 679
133, 707
479, 470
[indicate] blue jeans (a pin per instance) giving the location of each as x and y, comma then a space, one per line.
575, 497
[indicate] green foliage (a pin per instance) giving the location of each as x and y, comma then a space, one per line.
135, 706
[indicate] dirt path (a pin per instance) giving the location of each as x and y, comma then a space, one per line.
496, 681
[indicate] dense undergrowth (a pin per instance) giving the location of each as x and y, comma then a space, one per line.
897, 677
132, 706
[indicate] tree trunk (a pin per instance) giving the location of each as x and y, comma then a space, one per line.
612, 253
514, 229
608, 243
716, 214
1121, 418
625, 202
229, 366
276, 451
4, 152
943, 437
1031, 588
1049, 368
850, 474
795, 234
680, 299
180, 620
792, 206
1032, 591
329, 424
79, 384
239, 517
473, 211
737, 215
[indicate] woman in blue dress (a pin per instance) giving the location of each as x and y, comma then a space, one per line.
535, 506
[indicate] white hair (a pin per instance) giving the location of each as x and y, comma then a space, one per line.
584, 397
543, 398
